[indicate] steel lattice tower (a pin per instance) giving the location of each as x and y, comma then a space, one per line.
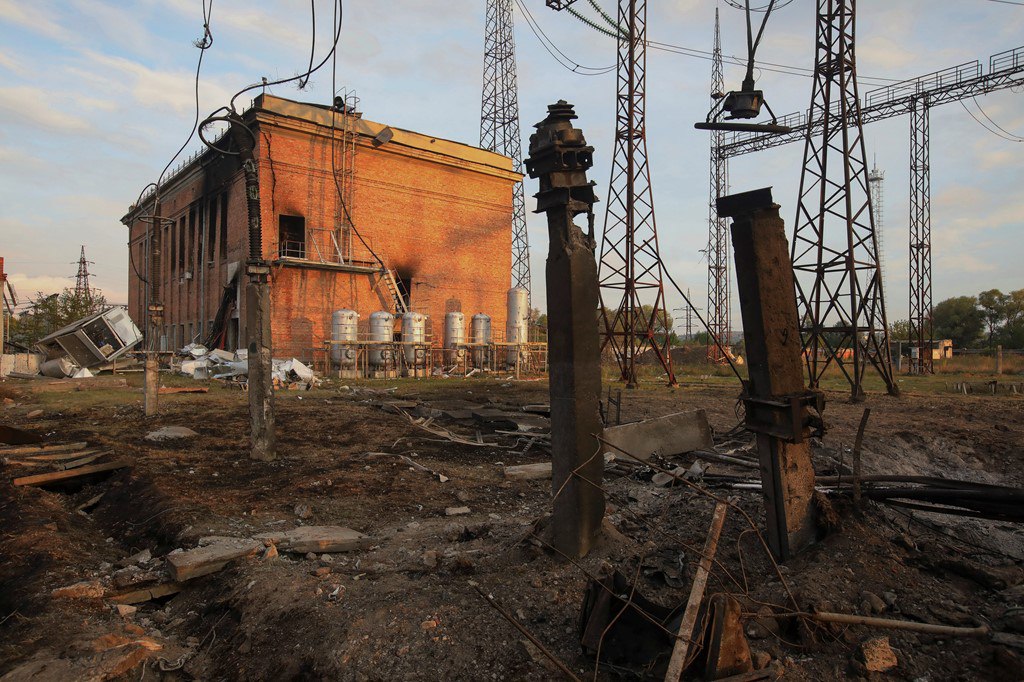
718, 228
835, 251
630, 268
82, 288
920, 240
499, 122
876, 181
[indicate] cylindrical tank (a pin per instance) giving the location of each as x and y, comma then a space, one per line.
414, 331
58, 368
344, 335
480, 337
382, 328
517, 325
454, 335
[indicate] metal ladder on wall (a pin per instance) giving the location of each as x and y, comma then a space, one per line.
387, 276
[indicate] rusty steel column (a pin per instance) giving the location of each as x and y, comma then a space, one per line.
560, 157
154, 273
257, 304
775, 396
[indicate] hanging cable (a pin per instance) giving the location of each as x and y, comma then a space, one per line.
982, 124
1016, 138
312, 46
552, 49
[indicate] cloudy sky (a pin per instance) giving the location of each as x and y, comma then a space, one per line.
96, 96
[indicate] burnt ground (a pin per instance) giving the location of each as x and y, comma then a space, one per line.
407, 606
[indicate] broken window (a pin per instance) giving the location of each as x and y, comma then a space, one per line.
291, 236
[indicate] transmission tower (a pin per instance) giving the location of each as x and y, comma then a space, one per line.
835, 250
499, 122
718, 228
82, 288
630, 268
920, 240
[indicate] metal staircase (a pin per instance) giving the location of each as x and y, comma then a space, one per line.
393, 289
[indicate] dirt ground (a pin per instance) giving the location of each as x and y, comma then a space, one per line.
407, 607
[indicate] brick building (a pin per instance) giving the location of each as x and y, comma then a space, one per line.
434, 217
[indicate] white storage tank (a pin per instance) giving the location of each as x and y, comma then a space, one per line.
517, 325
344, 336
454, 336
414, 331
382, 328
480, 337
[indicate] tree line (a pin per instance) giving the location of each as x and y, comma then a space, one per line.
984, 321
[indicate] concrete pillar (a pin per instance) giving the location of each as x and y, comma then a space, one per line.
999, 359
775, 391
260, 368
151, 368
560, 157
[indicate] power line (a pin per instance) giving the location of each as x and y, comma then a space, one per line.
545, 42
982, 123
1008, 2
1017, 138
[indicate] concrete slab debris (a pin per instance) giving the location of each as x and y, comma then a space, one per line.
166, 433
202, 561
87, 589
670, 435
316, 539
456, 511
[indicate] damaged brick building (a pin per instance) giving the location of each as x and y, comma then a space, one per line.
427, 229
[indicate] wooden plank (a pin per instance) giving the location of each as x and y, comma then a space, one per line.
41, 479
202, 561
60, 456
74, 464
146, 593
41, 449
700, 581
316, 539
167, 390
528, 472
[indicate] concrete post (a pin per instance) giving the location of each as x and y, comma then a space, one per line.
999, 359
775, 392
151, 368
560, 157
257, 299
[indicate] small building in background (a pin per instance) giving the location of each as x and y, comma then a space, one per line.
427, 229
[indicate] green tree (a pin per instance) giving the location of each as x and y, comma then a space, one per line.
994, 307
959, 319
1011, 334
899, 330
48, 313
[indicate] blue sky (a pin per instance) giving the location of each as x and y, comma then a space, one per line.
95, 97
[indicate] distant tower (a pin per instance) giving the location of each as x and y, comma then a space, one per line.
82, 288
499, 122
718, 228
875, 182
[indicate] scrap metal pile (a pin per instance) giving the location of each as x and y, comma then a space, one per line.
198, 362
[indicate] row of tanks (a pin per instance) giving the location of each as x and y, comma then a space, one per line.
412, 351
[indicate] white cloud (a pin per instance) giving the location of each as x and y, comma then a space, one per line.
37, 107
35, 16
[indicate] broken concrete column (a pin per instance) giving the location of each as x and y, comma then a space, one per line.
775, 397
257, 300
560, 157
151, 368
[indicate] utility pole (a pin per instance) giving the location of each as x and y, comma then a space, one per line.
630, 265
835, 251
499, 122
257, 303
718, 227
560, 157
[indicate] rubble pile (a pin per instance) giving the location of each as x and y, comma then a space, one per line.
199, 362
